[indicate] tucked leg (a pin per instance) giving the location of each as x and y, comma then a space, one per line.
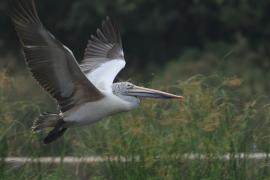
57, 132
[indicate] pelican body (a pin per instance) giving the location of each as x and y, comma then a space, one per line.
84, 92
93, 111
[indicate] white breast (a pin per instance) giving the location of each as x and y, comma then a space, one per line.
94, 111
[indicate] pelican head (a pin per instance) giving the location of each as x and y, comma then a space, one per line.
131, 93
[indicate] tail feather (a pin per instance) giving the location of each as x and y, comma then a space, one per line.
45, 120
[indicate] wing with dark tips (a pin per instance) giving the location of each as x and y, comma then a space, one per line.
104, 56
51, 63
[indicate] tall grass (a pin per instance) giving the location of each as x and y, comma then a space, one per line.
219, 115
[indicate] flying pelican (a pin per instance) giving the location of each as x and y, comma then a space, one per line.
84, 92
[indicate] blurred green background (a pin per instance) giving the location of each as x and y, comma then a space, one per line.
214, 52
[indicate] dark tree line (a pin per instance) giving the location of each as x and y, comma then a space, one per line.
153, 30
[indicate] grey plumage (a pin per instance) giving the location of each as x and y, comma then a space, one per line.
121, 88
51, 63
104, 47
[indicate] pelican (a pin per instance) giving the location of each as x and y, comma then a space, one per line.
86, 92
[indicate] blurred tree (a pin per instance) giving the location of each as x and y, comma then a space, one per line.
153, 30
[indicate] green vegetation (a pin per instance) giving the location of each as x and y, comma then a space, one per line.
153, 30
215, 53
226, 110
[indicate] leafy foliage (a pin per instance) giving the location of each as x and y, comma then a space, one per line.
153, 30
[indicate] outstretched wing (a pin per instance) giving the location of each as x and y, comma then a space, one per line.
52, 64
104, 57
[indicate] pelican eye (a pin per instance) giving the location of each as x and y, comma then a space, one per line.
129, 86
